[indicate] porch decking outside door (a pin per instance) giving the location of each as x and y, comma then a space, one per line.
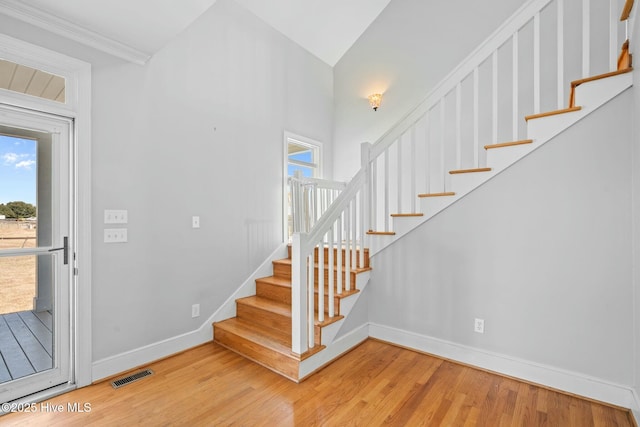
26, 344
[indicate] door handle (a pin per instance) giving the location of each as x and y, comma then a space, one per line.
64, 248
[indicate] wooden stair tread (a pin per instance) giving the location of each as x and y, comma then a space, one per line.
403, 215
448, 193
284, 309
381, 233
552, 113
459, 171
508, 144
601, 76
626, 10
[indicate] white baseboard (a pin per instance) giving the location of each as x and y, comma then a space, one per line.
333, 351
548, 376
636, 408
128, 360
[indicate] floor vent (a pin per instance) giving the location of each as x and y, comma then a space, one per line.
131, 378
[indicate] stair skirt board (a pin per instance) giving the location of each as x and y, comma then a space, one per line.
593, 94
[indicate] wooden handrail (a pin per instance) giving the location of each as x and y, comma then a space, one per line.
626, 11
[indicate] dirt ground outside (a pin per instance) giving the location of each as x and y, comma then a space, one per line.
17, 274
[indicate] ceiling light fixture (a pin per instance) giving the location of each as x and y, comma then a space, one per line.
374, 100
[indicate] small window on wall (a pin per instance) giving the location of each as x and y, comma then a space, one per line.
303, 156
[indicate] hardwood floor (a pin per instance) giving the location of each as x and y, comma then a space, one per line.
375, 384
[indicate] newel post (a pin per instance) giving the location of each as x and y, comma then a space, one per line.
299, 338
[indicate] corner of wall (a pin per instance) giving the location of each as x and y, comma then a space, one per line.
122, 362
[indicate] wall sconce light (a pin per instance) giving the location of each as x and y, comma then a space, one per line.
374, 100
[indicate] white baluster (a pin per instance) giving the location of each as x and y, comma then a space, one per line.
339, 223
374, 196
613, 35
459, 126
560, 54
311, 303
427, 151
386, 190
331, 274
412, 175
299, 291
476, 117
347, 246
586, 38
516, 90
536, 63
442, 145
494, 102
399, 174
354, 240
321, 282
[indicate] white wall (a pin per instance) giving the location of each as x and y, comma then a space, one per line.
199, 131
410, 47
636, 218
541, 253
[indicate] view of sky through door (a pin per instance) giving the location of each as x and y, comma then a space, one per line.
18, 159
18, 226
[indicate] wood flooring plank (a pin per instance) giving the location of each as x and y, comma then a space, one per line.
39, 330
374, 384
17, 362
32, 348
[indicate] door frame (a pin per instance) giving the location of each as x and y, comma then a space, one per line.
77, 106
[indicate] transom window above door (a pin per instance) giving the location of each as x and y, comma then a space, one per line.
30, 81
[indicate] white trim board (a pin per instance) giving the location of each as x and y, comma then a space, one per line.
559, 379
119, 363
70, 30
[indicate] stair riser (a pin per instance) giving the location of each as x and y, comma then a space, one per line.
259, 354
283, 294
465, 182
273, 292
263, 317
335, 255
284, 271
501, 158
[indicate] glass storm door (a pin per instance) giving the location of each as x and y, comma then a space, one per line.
36, 252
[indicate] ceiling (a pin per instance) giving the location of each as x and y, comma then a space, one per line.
326, 28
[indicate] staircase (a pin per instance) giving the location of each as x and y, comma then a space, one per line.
426, 162
261, 330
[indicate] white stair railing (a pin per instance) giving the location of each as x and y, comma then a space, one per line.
524, 68
310, 198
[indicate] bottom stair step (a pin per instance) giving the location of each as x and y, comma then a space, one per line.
266, 346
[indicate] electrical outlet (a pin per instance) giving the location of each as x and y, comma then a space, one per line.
115, 235
478, 326
195, 310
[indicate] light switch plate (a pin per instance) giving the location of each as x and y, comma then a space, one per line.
112, 216
115, 235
